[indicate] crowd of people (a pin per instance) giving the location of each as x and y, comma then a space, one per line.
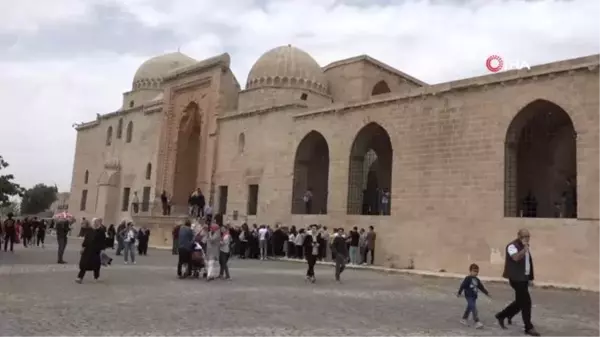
313, 243
28, 231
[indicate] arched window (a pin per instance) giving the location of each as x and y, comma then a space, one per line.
148, 171
541, 163
311, 175
380, 88
109, 136
370, 172
86, 177
129, 132
120, 129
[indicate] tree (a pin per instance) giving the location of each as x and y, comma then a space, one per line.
8, 188
10, 207
38, 199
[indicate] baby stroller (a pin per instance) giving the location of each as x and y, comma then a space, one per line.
198, 261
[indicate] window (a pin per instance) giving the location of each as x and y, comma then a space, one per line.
148, 171
223, 190
109, 136
129, 132
86, 177
252, 199
125, 205
83, 201
241, 142
380, 88
146, 199
120, 129
131, 104
303, 97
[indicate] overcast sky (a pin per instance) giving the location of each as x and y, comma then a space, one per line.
63, 61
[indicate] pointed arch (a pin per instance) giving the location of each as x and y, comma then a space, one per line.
129, 135
187, 153
148, 171
311, 175
370, 172
120, 128
540, 163
109, 133
380, 88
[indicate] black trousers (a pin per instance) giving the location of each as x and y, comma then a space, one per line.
9, 236
185, 256
40, 239
521, 303
312, 260
82, 273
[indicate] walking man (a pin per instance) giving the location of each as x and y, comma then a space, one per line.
10, 231
340, 248
518, 269
62, 230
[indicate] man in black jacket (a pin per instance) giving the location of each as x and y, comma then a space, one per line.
62, 230
340, 248
518, 269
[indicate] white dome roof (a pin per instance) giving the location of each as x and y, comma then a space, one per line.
287, 66
151, 72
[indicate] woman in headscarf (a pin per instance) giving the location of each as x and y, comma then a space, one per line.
93, 244
213, 250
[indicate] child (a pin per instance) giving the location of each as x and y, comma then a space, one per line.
471, 285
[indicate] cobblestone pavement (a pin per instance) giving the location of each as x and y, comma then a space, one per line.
38, 297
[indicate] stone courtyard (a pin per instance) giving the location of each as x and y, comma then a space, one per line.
39, 297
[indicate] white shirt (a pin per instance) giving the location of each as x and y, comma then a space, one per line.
208, 210
291, 238
512, 250
225, 243
262, 234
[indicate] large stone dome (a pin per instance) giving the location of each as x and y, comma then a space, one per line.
287, 66
150, 74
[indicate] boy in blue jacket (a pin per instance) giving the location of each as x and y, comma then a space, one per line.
471, 286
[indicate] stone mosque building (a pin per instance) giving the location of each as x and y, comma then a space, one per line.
466, 163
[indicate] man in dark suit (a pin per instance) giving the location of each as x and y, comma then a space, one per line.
518, 269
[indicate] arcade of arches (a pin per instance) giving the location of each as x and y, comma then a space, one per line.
187, 156
541, 163
540, 168
370, 174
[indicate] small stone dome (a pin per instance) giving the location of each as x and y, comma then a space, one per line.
150, 74
287, 66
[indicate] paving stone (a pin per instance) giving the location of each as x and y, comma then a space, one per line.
264, 298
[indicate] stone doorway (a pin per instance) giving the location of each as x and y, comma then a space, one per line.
541, 163
311, 173
187, 156
370, 172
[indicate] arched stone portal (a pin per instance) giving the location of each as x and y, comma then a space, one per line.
541, 163
370, 172
311, 173
188, 149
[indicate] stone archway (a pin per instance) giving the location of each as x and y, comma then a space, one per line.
370, 172
186, 156
541, 163
311, 173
